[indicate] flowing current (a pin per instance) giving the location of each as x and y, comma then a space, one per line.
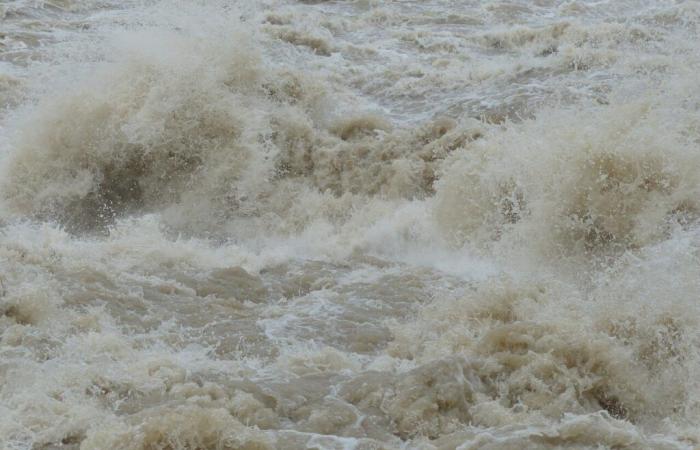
364, 224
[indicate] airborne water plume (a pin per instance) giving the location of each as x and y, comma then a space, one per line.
349, 225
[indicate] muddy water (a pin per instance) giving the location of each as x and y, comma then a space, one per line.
349, 225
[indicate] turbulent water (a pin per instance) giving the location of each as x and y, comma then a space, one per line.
364, 224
